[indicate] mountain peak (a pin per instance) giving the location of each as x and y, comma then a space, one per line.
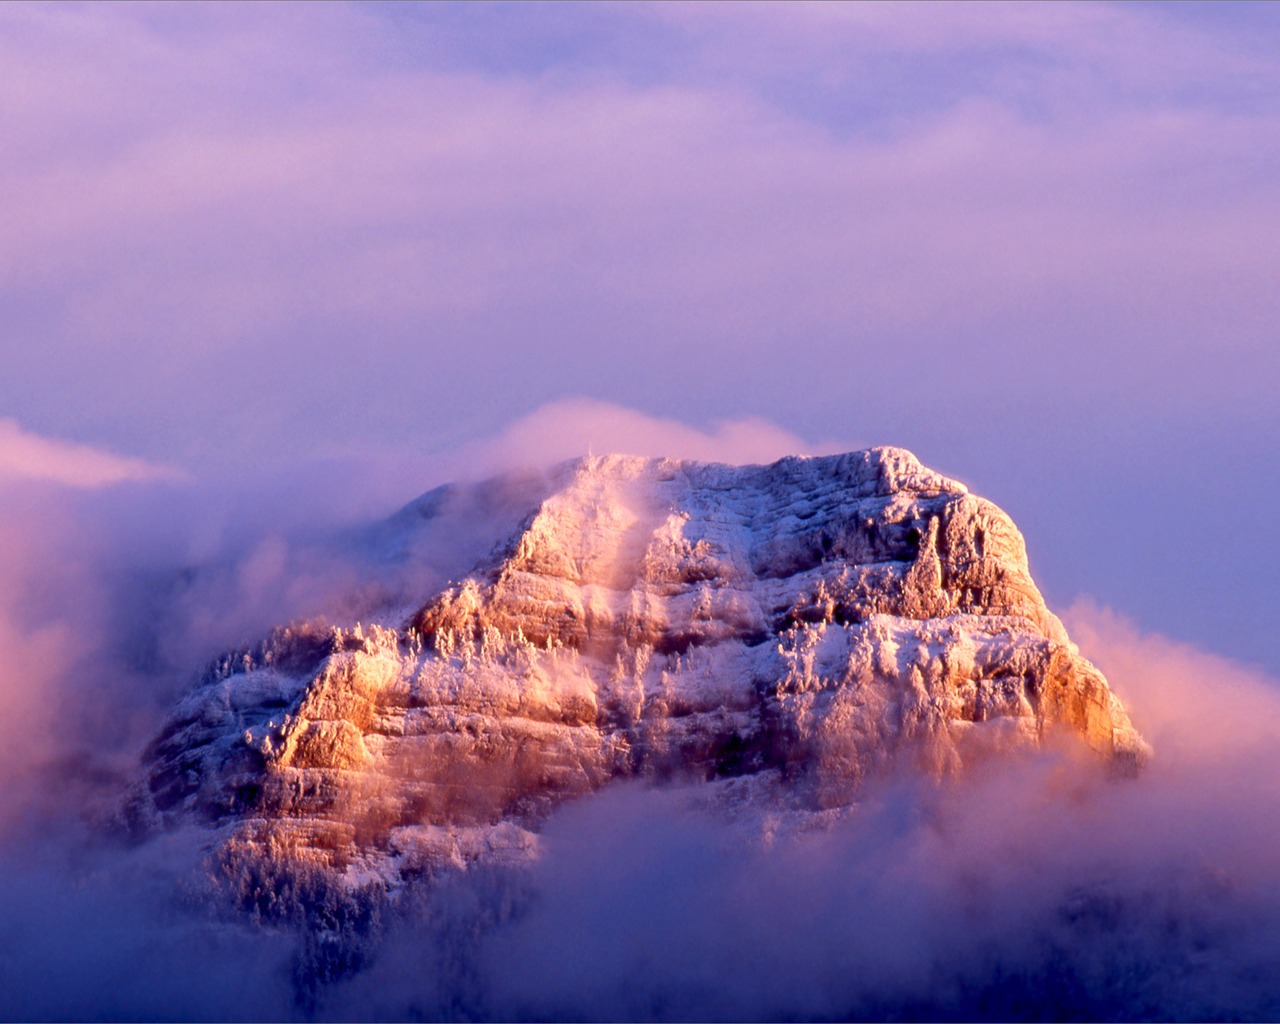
884, 466
799, 628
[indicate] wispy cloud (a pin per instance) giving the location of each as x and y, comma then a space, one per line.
574, 427
29, 457
1033, 883
235, 239
1028, 888
197, 199
1203, 711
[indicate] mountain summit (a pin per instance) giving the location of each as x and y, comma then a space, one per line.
783, 634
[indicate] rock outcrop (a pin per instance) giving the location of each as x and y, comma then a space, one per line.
792, 631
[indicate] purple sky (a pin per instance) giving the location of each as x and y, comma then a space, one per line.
1037, 244
268, 269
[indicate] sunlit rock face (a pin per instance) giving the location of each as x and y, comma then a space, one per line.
784, 633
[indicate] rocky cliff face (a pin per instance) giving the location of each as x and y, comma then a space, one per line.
784, 633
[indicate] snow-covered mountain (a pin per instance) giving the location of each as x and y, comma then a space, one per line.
784, 634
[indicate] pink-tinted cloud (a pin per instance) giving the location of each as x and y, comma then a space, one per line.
202, 190
50, 619
235, 239
1202, 711
1037, 882
574, 427
29, 457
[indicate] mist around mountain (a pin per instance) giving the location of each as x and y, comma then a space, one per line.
1033, 887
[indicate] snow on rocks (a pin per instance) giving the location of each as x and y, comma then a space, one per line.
810, 624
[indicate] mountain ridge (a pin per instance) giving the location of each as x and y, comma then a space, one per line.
802, 628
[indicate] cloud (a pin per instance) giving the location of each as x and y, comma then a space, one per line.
29, 457
101, 938
573, 427
238, 240
1200, 710
1033, 888
358, 240
1105, 46
41, 649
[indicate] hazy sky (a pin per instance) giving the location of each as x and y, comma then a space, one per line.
1037, 244
270, 268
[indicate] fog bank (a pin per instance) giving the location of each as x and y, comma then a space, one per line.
1034, 888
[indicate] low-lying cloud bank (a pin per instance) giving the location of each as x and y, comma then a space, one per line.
1037, 888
